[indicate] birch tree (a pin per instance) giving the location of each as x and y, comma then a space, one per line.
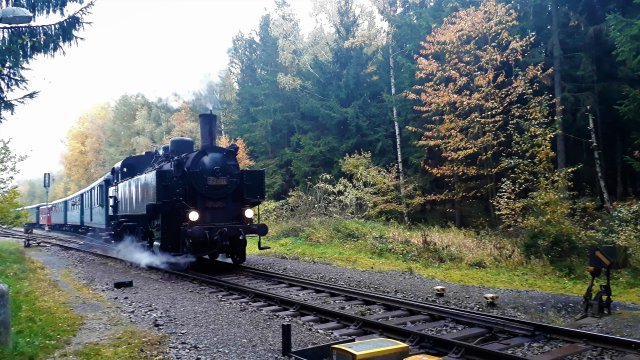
389, 9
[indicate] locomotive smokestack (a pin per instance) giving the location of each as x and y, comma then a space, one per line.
208, 124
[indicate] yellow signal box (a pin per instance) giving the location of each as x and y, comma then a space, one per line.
372, 349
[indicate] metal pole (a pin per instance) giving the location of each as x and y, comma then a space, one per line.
46, 216
286, 339
47, 184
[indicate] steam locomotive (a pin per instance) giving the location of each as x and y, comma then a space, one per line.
175, 200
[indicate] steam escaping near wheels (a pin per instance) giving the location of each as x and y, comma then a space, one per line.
131, 250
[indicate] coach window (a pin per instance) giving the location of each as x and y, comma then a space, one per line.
101, 195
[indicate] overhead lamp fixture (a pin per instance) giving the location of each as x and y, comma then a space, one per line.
14, 15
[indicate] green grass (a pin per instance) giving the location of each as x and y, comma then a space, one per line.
41, 320
130, 344
447, 254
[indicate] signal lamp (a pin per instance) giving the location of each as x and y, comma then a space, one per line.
248, 213
193, 215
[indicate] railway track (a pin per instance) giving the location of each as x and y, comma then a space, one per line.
87, 244
428, 328
437, 330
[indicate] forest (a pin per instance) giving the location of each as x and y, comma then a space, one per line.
518, 116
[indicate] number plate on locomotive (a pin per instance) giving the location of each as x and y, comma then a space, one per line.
213, 181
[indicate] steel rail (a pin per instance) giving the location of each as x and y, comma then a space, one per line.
475, 317
439, 343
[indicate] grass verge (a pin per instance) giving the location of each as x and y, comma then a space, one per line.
41, 319
447, 254
129, 344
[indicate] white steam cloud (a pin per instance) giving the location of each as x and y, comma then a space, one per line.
133, 251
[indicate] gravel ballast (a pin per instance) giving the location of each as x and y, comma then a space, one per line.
201, 325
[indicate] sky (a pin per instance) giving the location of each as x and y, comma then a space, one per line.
154, 47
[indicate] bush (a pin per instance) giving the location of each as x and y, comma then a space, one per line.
366, 192
551, 229
549, 241
8, 204
353, 230
382, 244
622, 227
548, 222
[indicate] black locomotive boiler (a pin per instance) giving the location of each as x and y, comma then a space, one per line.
183, 201
175, 200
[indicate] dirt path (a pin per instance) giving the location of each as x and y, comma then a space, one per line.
101, 320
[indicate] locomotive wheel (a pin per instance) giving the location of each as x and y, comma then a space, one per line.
238, 253
239, 257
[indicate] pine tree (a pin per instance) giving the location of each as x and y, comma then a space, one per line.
625, 32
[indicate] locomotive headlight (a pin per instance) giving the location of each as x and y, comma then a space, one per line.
248, 214
193, 215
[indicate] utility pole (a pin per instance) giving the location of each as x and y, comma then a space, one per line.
47, 184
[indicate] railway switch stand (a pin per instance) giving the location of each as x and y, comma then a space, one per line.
600, 303
29, 238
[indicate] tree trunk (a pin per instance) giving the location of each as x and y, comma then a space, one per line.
557, 84
397, 129
596, 155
